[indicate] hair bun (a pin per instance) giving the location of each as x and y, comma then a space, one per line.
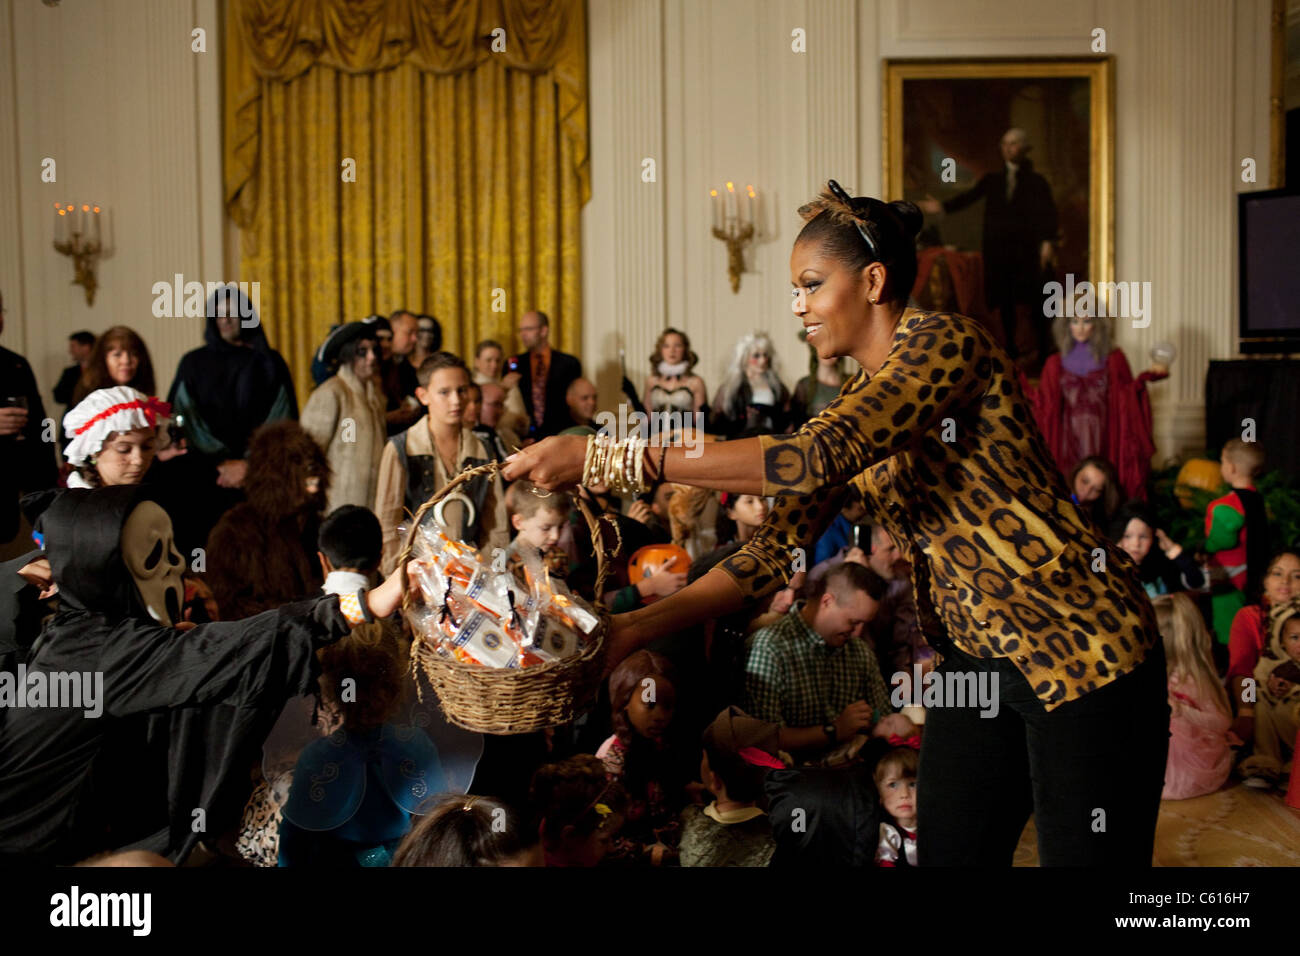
910, 215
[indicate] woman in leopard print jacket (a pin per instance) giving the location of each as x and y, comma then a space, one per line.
1015, 586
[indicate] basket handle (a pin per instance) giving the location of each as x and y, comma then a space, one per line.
603, 559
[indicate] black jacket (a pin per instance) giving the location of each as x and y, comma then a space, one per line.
184, 713
29, 463
563, 370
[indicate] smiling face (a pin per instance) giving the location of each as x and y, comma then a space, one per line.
1282, 580
830, 300
840, 618
898, 795
125, 457
446, 395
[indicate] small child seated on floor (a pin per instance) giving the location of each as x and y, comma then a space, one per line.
1277, 707
896, 782
579, 810
465, 830
732, 830
1200, 757
354, 792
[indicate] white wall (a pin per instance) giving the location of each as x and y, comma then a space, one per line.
711, 89
112, 92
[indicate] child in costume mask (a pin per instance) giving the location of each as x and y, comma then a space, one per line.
168, 720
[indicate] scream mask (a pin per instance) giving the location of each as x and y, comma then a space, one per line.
149, 552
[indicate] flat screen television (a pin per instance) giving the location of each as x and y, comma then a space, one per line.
1268, 243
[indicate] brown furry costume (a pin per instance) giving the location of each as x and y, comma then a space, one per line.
262, 553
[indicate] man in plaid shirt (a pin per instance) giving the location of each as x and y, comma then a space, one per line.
812, 673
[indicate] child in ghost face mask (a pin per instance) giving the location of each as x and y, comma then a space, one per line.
139, 700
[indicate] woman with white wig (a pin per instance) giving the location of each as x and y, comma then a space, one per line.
752, 400
112, 437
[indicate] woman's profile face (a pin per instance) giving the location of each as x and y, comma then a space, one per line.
122, 364
830, 300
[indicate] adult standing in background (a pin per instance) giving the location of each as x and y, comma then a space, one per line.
28, 461
428, 339
223, 392
80, 346
397, 375
345, 416
119, 357
544, 377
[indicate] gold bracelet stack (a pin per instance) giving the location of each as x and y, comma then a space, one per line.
619, 466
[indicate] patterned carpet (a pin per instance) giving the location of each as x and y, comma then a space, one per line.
1234, 827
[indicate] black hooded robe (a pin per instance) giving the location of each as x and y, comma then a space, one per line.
184, 713
223, 393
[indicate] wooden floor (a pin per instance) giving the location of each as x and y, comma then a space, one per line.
1236, 826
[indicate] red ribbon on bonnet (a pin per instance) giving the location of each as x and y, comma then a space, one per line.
152, 407
913, 741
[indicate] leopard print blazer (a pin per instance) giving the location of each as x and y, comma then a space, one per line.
942, 446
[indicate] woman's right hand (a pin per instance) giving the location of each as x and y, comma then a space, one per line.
553, 463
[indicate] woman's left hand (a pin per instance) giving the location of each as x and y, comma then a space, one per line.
553, 463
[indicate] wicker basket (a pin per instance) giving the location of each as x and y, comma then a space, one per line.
493, 700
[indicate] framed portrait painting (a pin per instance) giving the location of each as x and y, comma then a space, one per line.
1012, 161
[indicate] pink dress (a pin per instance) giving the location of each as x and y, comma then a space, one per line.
1199, 756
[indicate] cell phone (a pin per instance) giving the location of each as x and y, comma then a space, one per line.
512, 364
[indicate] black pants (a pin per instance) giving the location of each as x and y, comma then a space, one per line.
1091, 771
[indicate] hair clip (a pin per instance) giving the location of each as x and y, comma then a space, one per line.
469, 804
865, 227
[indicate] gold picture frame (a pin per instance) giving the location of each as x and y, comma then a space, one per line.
1098, 72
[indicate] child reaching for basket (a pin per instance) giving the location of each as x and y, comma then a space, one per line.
643, 698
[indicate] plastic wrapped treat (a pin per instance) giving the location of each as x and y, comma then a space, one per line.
477, 615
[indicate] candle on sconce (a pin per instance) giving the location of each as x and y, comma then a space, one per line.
751, 204
715, 204
731, 202
58, 222
95, 213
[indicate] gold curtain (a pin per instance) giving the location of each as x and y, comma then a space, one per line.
470, 165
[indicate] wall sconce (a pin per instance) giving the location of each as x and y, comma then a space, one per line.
733, 223
77, 234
